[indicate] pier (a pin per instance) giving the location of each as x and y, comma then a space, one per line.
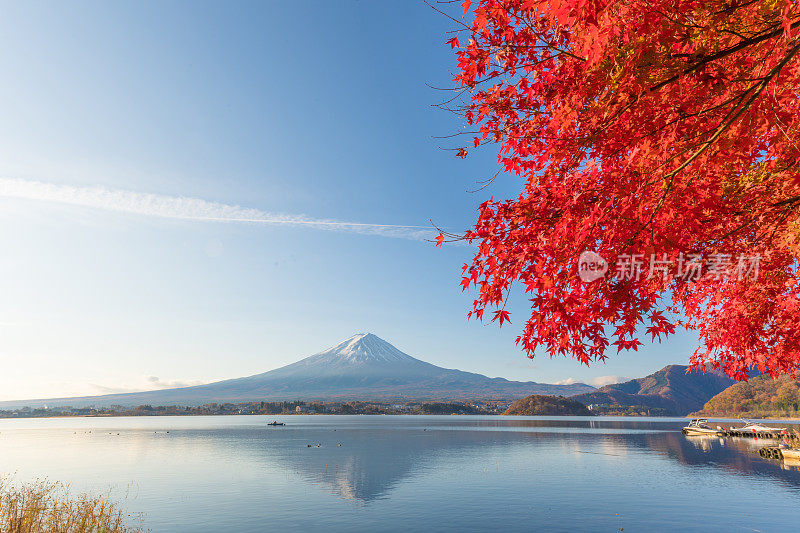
776, 433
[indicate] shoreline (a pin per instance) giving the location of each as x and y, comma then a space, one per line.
734, 419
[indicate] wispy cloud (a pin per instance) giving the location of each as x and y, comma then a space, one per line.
599, 381
155, 381
147, 383
186, 208
608, 380
104, 389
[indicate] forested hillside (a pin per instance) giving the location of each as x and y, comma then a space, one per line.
760, 396
673, 389
537, 405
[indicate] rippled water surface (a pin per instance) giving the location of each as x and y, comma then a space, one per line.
385, 473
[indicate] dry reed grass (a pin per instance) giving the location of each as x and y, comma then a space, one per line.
47, 507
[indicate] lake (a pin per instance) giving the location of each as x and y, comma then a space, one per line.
400, 473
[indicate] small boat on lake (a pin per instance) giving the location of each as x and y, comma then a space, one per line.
699, 426
276, 423
752, 429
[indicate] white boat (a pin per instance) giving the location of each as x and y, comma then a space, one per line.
758, 430
699, 426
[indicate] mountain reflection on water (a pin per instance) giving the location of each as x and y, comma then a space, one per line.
366, 461
384, 473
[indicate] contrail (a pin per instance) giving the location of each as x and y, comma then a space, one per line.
184, 208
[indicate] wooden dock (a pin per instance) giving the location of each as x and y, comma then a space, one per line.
734, 432
788, 450
771, 452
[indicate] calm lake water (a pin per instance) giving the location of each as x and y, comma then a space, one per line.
448, 473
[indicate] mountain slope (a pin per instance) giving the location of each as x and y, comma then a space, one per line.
758, 397
363, 367
671, 388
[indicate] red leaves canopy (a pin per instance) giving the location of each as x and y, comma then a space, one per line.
640, 127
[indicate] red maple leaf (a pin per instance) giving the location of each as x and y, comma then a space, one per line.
502, 315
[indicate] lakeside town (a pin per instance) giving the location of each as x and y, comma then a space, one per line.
269, 408
489, 407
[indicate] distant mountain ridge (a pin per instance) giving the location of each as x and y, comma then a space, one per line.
363, 367
672, 388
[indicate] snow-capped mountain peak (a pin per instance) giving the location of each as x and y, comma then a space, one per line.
365, 347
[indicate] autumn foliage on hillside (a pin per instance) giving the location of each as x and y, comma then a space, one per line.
761, 396
664, 131
538, 405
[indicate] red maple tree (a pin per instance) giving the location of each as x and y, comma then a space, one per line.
660, 133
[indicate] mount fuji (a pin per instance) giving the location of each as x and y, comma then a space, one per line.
363, 367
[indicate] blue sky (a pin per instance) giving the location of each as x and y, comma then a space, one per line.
318, 111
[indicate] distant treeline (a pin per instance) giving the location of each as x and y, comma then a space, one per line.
532, 406
540, 405
628, 410
758, 397
271, 408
